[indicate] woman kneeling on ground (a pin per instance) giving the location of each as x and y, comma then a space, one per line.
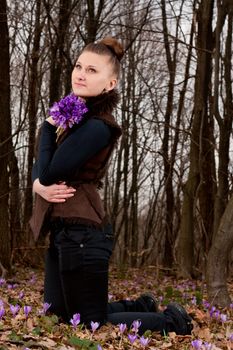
66, 177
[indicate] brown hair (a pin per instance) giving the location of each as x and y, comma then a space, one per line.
108, 46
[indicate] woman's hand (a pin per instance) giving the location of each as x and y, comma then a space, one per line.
57, 193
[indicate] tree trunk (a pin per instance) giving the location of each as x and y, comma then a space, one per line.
57, 48
5, 138
134, 186
126, 236
32, 111
171, 63
225, 122
197, 175
15, 202
218, 259
223, 238
92, 24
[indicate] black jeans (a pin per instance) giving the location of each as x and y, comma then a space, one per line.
76, 280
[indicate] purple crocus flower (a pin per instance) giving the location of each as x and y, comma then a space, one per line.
223, 317
2, 282
33, 279
99, 347
212, 310
2, 312
136, 324
21, 295
14, 309
94, 326
46, 306
196, 344
132, 338
144, 341
216, 314
27, 309
68, 111
230, 337
194, 300
207, 346
75, 320
206, 304
122, 327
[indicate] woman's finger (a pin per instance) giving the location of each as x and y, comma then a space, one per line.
65, 188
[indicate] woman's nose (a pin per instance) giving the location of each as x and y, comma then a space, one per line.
81, 75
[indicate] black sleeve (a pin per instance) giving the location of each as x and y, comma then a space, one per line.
35, 173
59, 163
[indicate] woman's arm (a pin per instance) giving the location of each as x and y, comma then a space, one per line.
56, 164
56, 193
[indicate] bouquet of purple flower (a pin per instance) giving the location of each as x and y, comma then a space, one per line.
67, 112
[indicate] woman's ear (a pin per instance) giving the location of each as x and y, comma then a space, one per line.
111, 84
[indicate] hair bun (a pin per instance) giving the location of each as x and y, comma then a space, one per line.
114, 45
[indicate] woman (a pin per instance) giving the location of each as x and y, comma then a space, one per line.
66, 178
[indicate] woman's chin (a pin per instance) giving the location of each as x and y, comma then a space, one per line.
80, 95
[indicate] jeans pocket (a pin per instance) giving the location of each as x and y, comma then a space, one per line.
71, 245
71, 259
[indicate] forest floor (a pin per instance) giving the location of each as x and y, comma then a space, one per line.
29, 327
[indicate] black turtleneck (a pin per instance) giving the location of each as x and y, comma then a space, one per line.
58, 162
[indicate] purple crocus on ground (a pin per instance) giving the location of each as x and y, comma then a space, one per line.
2, 312
21, 295
94, 326
75, 320
135, 325
223, 318
208, 346
2, 282
206, 304
196, 344
212, 311
14, 309
144, 341
132, 338
27, 309
68, 111
46, 306
122, 327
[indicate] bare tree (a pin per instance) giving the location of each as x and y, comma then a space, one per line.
224, 118
199, 188
32, 109
5, 138
217, 264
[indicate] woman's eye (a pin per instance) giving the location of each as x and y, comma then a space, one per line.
78, 66
91, 70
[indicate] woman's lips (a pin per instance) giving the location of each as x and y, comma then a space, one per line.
78, 85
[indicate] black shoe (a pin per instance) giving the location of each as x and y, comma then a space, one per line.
182, 320
147, 303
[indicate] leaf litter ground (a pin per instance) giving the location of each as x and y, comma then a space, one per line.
28, 326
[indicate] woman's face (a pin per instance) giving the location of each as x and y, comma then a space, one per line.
92, 75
